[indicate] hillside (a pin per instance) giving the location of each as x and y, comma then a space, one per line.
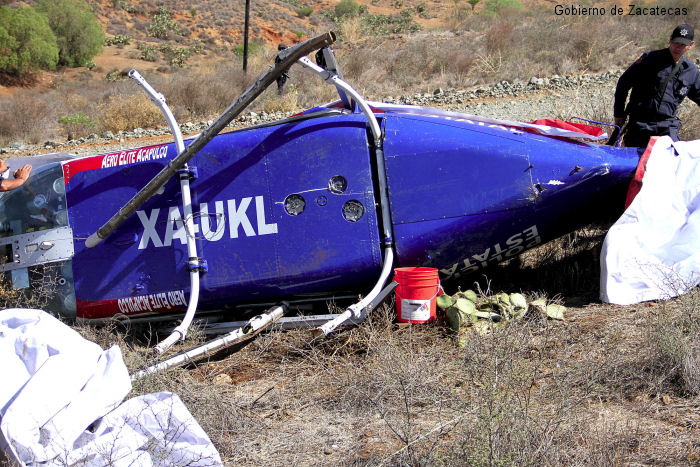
385, 47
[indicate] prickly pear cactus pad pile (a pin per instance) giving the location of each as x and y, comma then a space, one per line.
466, 310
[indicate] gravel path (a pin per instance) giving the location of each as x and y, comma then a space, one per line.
554, 97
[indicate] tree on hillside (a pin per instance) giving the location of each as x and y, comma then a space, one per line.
26, 41
78, 33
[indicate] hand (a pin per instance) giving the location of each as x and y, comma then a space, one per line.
618, 121
23, 172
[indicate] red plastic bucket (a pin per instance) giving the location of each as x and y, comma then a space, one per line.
416, 294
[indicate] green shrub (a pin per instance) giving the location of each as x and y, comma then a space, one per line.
119, 39
422, 10
176, 56
193, 12
304, 11
197, 48
347, 8
26, 41
499, 7
253, 49
129, 8
78, 32
114, 75
162, 24
148, 52
384, 24
76, 125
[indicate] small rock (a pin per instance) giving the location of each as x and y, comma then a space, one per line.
108, 135
17, 145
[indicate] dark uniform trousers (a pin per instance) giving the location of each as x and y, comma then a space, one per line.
658, 88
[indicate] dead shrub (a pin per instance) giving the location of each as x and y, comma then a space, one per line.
354, 63
203, 94
126, 112
351, 29
675, 357
27, 116
286, 102
690, 128
499, 38
459, 14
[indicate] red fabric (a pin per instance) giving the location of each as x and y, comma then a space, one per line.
636, 183
570, 126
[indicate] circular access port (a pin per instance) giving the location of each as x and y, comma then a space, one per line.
59, 186
337, 184
353, 211
321, 200
294, 204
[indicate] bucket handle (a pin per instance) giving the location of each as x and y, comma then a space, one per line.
440, 289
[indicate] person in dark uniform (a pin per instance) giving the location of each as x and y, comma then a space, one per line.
659, 80
283, 77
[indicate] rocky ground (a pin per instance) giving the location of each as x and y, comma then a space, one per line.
554, 97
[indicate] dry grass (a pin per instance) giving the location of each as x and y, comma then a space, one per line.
351, 30
534, 393
121, 113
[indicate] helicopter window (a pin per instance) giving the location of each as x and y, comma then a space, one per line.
39, 204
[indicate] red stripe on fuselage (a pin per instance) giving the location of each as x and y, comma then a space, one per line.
113, 159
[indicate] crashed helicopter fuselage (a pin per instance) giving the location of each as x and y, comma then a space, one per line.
293, 209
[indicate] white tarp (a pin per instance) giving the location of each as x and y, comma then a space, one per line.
653, 251
60, 403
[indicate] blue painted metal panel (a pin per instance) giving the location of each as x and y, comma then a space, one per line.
254, 249
310, 253
464, 196
438, 168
